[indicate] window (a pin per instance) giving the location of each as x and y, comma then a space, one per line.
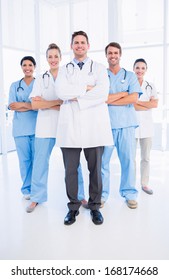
142, 22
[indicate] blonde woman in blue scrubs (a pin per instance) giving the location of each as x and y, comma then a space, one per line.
24, 121
44, 99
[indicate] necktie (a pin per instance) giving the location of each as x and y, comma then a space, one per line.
80, 64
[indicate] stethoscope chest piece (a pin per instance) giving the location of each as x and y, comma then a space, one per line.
46, 78
90, 74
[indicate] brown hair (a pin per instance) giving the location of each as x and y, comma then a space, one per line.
76, 33
115, 45
51, 47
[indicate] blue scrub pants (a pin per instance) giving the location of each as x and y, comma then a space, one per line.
25, 151
81, 194
125, 143
43, 150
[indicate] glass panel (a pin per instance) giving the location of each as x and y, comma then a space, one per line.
92, 17
99, 57
18, 24
54, 26
167, 14
142, 22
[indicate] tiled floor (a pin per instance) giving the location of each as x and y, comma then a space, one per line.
127, 234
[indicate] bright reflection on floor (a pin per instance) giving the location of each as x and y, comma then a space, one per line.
125, 234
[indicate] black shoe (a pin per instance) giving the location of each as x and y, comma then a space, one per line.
96, 217
71, 217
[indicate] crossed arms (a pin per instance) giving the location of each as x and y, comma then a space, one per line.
122, 98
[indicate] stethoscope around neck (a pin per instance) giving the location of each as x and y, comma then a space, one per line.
19, 86
71, 72
124, 78
46, 78
148, 85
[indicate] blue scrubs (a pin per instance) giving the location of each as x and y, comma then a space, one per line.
43, 150
23, 132
123, 123
45, 139
81, 194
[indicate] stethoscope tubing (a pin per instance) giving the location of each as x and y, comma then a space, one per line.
73, 66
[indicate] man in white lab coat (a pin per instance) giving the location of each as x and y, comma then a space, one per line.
84, 123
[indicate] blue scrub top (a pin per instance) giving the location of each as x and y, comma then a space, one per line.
23, 122
123, 116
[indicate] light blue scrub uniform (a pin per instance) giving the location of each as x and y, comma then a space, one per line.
23, 132
123, 123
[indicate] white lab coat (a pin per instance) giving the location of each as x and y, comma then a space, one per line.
83, 123
46, 125
145, 119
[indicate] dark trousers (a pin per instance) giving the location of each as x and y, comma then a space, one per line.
71, 159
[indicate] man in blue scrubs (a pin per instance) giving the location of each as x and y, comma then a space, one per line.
123, 93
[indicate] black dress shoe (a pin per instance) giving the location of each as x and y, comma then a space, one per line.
96, 217
71, 217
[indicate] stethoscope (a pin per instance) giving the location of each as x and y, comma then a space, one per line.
46, 78
73, 66
19, 86
124, 78
148, 85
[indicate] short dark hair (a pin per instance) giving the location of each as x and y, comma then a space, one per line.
28, 58
51, 47
76, 33
115, 45
139, 60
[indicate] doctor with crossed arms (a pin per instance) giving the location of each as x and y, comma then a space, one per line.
83, 124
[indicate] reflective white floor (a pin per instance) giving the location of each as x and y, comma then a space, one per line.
126, 234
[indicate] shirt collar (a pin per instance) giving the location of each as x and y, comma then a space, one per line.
77, 61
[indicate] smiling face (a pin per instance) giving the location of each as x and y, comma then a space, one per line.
140, 69
80, 47
53, 58
28, 68
113, 56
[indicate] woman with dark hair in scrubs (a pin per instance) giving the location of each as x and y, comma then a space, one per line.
24, 121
